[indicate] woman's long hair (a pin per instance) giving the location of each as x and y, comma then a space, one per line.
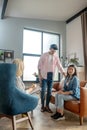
75, 73
20, 67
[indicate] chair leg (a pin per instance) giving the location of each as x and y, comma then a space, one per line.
31, 113
81, 120
29, 119
14, 122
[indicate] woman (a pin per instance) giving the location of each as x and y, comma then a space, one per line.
70, 91
19, 72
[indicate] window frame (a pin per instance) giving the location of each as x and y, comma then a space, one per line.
38, 55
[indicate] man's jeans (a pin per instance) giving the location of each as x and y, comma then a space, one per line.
46, 85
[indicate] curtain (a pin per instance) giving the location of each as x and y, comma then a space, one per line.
84, 35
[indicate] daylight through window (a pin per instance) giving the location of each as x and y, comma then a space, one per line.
35, 43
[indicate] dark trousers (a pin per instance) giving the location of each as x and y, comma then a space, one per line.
46, 85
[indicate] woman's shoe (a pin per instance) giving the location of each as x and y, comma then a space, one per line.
54, 115
59, 117
24, 115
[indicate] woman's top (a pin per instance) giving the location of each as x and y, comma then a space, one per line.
20, 84
72, 85
62, 83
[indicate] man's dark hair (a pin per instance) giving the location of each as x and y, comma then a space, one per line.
53, 46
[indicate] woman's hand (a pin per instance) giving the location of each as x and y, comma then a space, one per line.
65, 93
60, 92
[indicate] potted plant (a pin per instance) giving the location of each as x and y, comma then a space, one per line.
1, 55
37, 78
74, 61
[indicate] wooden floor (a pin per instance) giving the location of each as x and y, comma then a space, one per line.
43, 121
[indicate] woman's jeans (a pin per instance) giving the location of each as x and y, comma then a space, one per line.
46, 85
60, 98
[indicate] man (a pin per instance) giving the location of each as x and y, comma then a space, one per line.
46, 68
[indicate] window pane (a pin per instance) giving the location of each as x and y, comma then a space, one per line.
49, 39
34, 44
56, 75
31, 42
30, 66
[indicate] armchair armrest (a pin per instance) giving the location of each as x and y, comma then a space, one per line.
56, 86
83, 101
82, 83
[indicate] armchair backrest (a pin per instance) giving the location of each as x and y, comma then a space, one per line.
12, 100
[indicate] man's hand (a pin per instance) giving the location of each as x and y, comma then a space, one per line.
64, 74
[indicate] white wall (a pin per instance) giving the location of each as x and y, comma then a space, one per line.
11, 32
74, 42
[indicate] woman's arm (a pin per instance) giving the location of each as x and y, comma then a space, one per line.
65, 93
72, 87
75, 85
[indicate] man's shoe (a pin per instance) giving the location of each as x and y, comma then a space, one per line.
43, 109
48, 110
59, 117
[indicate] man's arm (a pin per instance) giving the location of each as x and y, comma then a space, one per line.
60, 67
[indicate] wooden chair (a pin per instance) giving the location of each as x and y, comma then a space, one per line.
15, 120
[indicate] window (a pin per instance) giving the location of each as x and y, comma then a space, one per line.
35, 43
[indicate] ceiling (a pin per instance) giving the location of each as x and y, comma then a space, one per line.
56, 10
